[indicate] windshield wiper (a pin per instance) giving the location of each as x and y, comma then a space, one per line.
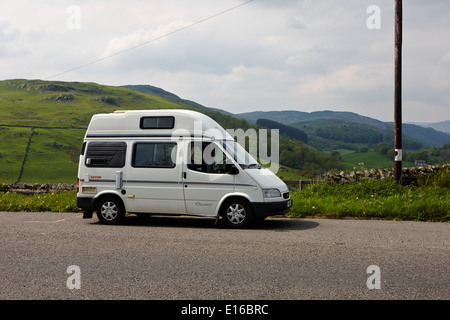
254, 165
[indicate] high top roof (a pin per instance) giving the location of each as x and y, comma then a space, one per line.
128, 123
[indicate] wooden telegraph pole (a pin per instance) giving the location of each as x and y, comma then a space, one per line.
398, 92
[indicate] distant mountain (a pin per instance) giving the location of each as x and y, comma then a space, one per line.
443, 126
427, 136
291, 116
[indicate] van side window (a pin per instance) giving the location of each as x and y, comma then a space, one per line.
106, 154
157, 122
154, 155
206, 157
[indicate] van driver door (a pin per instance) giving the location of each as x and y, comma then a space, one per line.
205, 180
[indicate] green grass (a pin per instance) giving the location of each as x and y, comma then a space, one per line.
381, 199
13, 142
370, 159
286, 173
49, 202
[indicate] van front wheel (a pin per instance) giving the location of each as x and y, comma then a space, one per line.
237, 213
110, 210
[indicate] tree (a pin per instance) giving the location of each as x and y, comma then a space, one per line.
382, 148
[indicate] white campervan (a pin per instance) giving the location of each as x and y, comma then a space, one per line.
177, 162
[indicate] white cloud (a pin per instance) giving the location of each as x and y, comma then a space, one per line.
307, 55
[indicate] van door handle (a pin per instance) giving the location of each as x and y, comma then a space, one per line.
184, 175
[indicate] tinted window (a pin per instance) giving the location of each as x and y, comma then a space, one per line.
154, 155
106, 154
157, 122
207, 157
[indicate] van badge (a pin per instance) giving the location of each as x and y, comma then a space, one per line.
203, 204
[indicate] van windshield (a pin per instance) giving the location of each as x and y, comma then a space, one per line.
240, 155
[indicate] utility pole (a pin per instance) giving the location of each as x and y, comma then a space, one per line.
398, 92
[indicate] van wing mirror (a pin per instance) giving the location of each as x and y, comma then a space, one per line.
231, 169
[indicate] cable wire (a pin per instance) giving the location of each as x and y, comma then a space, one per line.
150, 41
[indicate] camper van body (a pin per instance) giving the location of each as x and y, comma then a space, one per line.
154, 162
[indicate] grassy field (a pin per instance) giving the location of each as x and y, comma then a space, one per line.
380, 199
360, 160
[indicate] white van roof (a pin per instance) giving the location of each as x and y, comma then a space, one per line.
129, 123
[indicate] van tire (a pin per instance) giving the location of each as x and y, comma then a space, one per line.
110, 210
237, 213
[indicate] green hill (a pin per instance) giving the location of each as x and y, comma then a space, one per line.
42, 125
426, 136
54, 117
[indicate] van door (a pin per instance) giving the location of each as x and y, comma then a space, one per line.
153, 180
205, 181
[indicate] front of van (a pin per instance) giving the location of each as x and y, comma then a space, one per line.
276, 198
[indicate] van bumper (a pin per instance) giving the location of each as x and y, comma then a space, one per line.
85, 203
265, 209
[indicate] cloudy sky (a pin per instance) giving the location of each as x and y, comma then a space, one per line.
240, 56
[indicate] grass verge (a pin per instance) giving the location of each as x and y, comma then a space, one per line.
48, 202
381, 199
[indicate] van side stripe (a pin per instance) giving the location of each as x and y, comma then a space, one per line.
175, 182
143, 135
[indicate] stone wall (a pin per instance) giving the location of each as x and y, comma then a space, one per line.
38, 188
409, 175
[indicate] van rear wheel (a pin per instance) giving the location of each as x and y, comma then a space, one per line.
110, 210
237, 213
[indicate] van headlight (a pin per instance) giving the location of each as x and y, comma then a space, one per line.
271, 193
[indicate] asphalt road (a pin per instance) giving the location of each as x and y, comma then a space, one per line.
190, 258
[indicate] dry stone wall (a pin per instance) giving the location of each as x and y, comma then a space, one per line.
38, 188
409, 175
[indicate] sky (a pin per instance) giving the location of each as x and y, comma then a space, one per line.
238, 55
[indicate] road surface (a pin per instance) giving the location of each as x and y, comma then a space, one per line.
62, 256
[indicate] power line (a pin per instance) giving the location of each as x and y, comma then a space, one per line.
152, 40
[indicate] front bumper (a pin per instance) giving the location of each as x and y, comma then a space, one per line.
265, 209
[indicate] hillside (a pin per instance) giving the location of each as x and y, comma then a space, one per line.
426, 136
170, 96
330, 134
45, 122
42, 125
290, 117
